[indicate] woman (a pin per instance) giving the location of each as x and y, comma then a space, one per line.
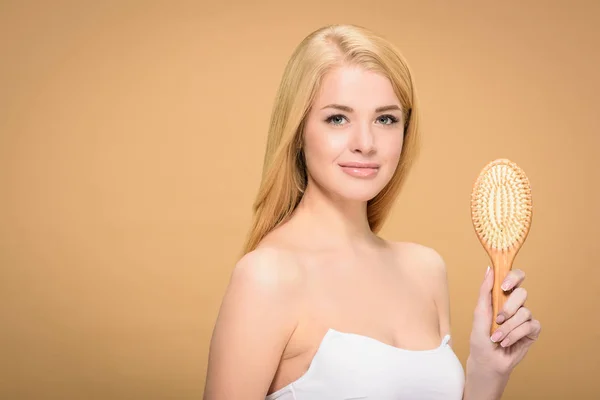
319, 306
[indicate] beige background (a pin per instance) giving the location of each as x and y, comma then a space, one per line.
131, 142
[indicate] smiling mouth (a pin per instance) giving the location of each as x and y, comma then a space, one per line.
360, 170
359, 165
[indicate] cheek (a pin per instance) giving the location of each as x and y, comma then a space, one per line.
323, 147
392, 149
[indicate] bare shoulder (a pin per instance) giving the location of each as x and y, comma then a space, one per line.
424, 258
269, 281
267, 269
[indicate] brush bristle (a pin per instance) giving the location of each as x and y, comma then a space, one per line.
501, 206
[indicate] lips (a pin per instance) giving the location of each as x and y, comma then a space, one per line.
359, 165
359, 169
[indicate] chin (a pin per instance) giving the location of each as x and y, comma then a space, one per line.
359, 190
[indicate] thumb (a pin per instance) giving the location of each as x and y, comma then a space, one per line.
483, 312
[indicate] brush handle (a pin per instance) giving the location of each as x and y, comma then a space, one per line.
502, 264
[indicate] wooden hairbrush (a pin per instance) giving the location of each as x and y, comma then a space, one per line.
501, 212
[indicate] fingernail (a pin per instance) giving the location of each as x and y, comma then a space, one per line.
505, 342
496, 336
506, 285
500, 319
487, 271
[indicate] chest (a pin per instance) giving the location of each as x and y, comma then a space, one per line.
351, 366
373, 295
385, 301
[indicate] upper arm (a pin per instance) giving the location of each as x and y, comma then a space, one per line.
436, 280
441, 293
256, 318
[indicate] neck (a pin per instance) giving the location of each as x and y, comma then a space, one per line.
331, 220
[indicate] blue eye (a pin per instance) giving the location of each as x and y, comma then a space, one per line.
336, 119
387, 119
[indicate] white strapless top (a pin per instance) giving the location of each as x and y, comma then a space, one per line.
351, 366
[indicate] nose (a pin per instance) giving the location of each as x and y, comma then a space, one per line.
362, 140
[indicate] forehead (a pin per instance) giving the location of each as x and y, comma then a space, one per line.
356, 87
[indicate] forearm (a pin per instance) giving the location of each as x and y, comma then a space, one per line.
481, 384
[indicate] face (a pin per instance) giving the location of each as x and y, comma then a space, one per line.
353, 134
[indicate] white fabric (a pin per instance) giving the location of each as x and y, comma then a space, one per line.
351, 366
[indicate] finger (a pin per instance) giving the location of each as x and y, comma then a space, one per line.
515, 301
530, 330
485, 290
483, 311
521, 316
513, 279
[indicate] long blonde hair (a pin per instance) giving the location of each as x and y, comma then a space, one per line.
284, 174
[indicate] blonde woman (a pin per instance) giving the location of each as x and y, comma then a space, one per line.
319, 306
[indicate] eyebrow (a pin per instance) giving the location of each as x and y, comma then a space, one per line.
349, 109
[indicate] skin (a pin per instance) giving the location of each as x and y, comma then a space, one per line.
305, 275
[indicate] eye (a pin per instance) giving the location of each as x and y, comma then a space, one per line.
387, 119
336, 119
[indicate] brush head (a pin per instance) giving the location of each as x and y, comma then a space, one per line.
501, 205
